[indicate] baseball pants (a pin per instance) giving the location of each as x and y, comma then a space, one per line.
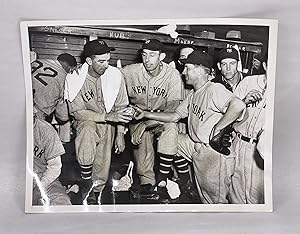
144, 154
213, 170
93, 146
248, 179
56, 193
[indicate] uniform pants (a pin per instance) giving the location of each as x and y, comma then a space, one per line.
93, 146
248, 178
144, 154
56, 193
212, 170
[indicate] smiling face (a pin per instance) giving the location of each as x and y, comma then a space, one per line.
98, 63
228, 67
151, 59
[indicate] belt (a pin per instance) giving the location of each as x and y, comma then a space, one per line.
247, 139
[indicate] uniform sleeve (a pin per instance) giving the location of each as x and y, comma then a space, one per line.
175, 87
221, 97
241, 90
53, 145
122, 98
182, 110
52, 171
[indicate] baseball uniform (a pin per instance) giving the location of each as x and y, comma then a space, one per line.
204, 108
48, 78
162, 92
248, 178
46, 151
94, 140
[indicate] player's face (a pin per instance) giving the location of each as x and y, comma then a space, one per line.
100, 63
228, 68
191, 73
151, 59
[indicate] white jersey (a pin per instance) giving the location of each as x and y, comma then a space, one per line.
204, 108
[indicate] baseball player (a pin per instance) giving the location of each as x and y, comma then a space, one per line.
228, 66
154, 86
47, 165
95, 120
209, 108
248, 178
48, 77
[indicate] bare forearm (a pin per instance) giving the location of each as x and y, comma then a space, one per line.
233, 112
163, 116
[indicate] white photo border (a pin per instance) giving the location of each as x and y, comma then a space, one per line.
272, 51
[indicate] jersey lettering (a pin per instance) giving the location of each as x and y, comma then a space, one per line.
159, 92
139, 89
38, 152
89, 95
47, 71
198, 112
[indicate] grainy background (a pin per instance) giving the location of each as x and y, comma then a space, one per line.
286, 163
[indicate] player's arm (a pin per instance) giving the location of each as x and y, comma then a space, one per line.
52, 171
234, 110
175, 94
158, 116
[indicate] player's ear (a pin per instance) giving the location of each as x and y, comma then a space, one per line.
88, 60
219, 66
162, 56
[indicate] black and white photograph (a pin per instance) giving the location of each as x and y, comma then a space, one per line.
149, 115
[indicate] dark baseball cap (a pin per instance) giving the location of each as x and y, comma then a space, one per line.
153, 44
199, 57
96, 47
228, 53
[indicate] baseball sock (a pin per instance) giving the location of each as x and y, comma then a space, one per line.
183, 169
86, 171
165, 162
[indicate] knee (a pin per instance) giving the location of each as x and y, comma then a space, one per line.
86, 127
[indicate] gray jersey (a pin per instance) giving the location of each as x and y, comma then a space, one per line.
48, 79
153, 93
204, 108
47, 145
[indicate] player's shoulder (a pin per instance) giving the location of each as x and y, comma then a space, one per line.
44, 127
132, 67
217, 88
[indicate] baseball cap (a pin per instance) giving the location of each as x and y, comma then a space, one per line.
228, 53
153, 44
96, 47
199, 57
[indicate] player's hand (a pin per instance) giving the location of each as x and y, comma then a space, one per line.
136, 136
119, 143
139, 113
253, 96
76, 69
118, 116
